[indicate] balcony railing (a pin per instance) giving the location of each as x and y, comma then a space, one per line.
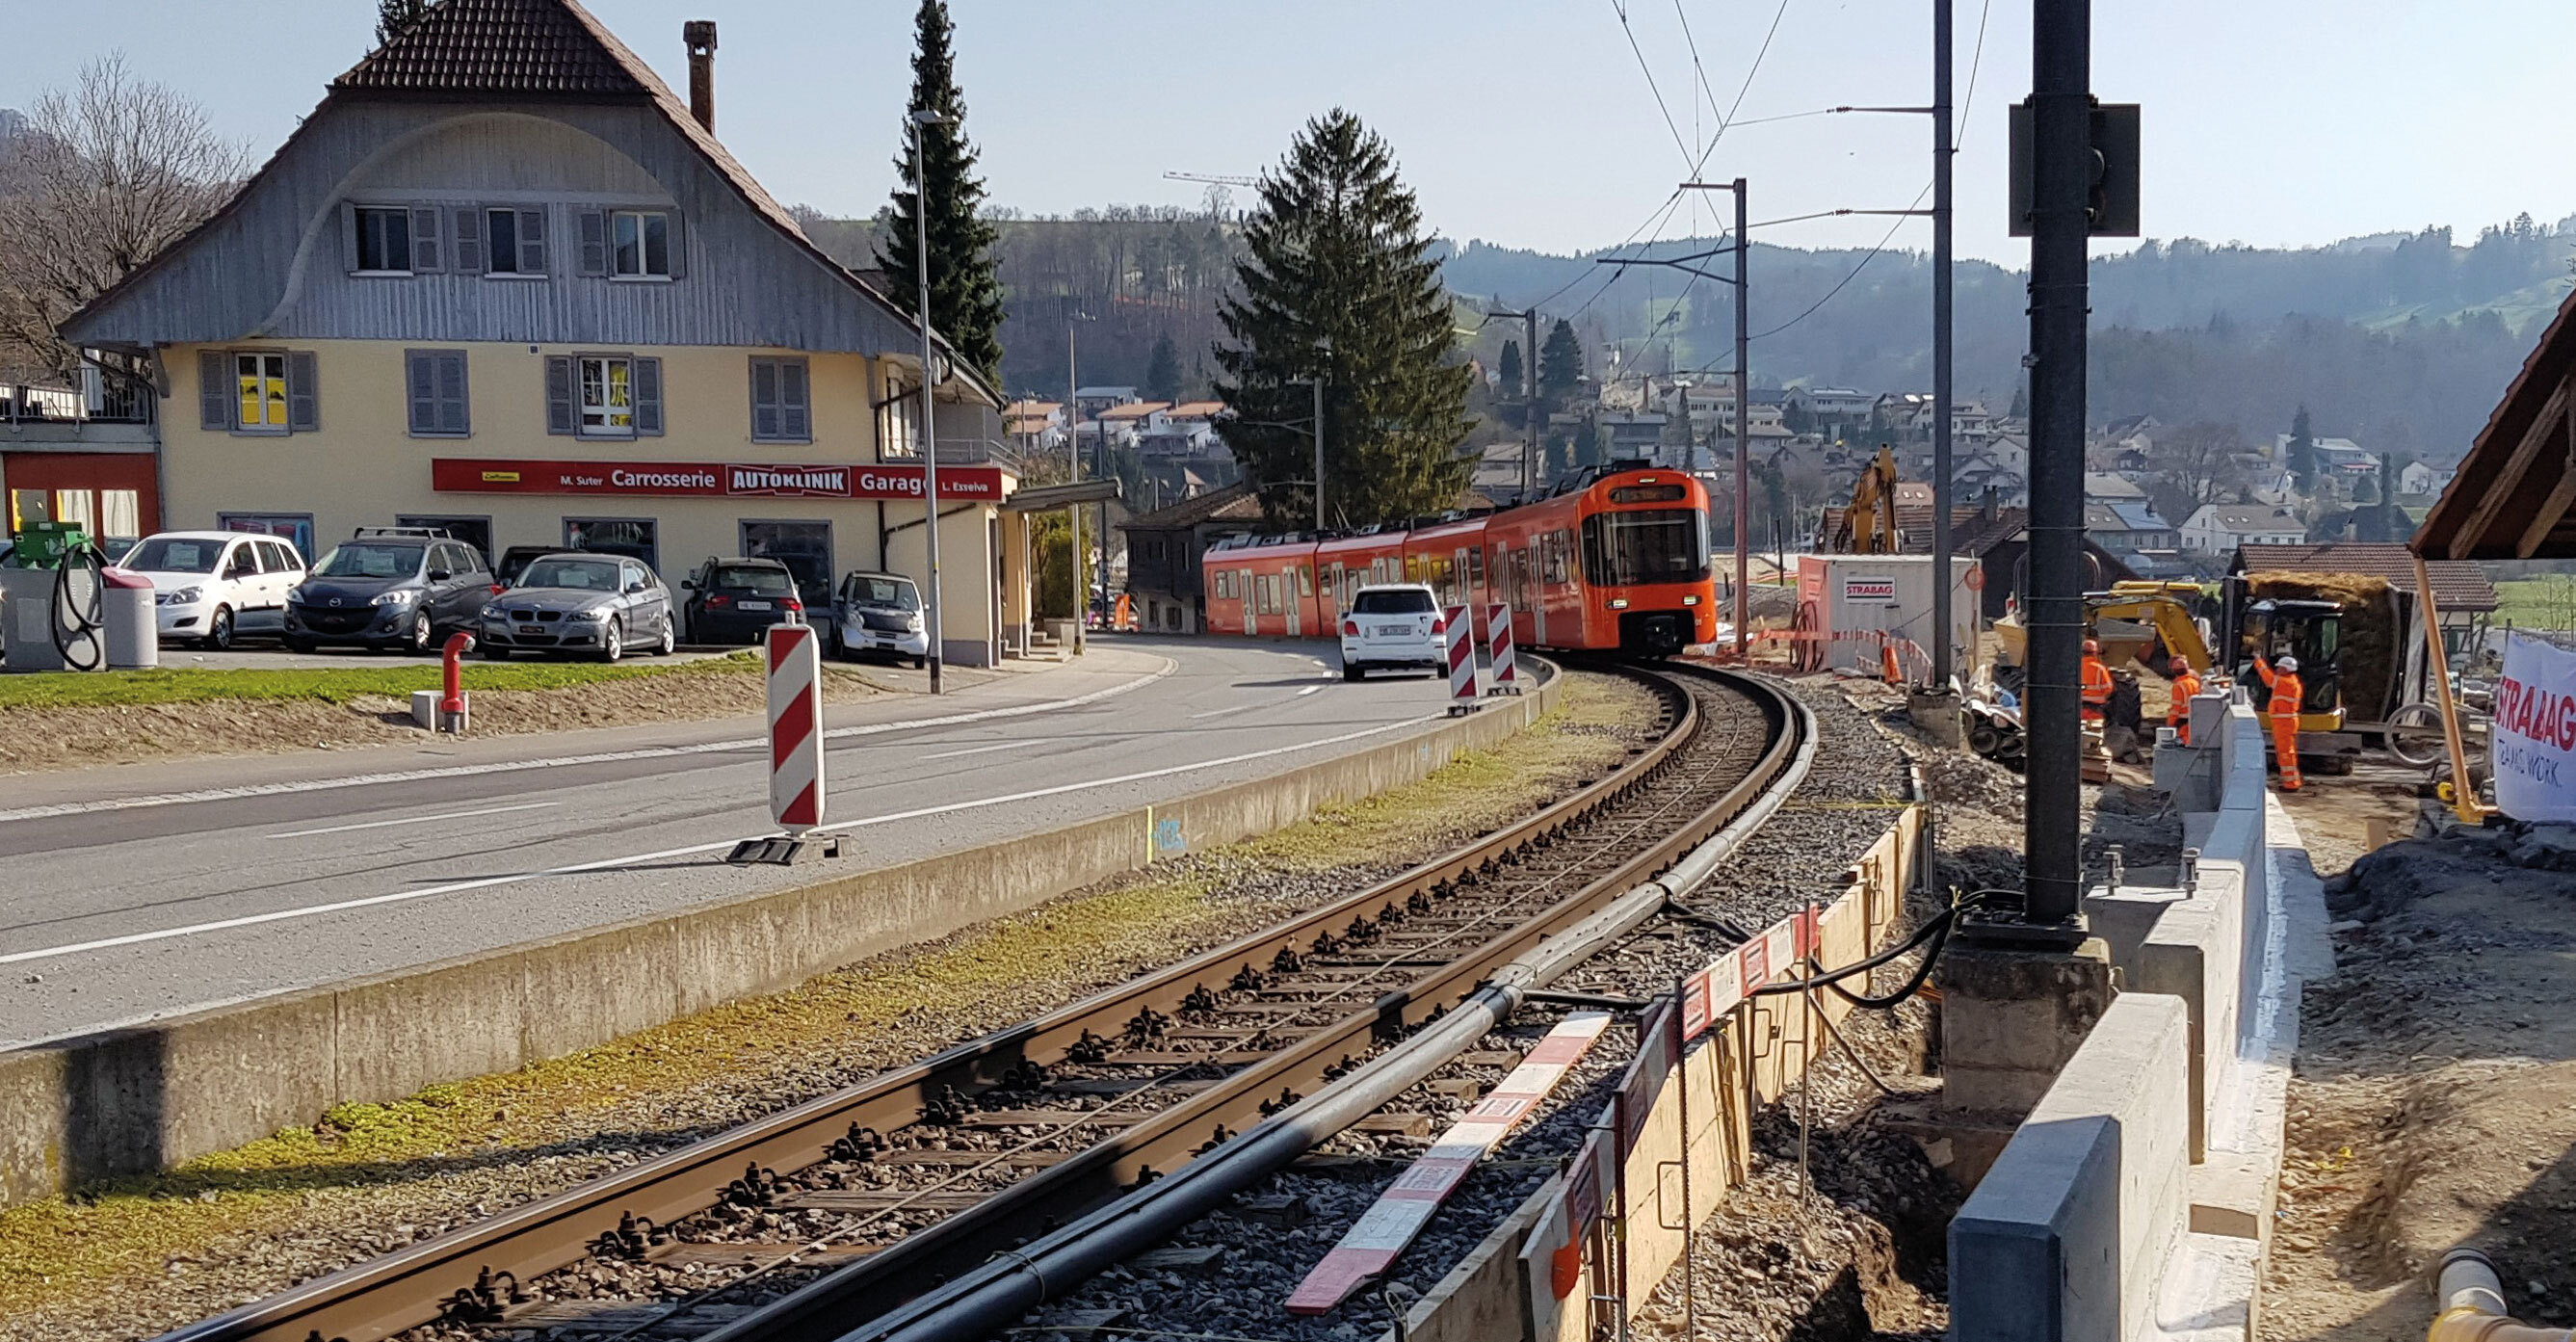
111, 401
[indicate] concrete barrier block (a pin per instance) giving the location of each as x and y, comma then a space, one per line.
2067, 1238
578, 991
400, 1032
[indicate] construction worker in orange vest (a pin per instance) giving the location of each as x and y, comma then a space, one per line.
2097, 682
2282, 679
2178, 713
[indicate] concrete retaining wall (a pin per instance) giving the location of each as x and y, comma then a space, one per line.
139, 1100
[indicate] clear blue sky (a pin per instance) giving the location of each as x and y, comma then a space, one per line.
1531, 124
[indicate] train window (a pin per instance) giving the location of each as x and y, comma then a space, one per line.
1305, 580
1475, 555
1663, 545
1552, 558
1648, 494
1268, 587
1224, 585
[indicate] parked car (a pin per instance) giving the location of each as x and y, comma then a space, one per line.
733, 600
1393, 626
881, 613
388, 587
209, 586
592, 603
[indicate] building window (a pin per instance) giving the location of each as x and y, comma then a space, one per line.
640, 244
435, 380
896, 435
608, 397
804, 547
630, 537
384, 240
781, 402
260, 384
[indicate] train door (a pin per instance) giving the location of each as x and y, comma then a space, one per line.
1537, 594
1289, 601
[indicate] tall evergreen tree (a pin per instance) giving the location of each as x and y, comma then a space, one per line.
2303, 450
392, 16
1336, 282
965, 295
1560, 363
1508, 374
1163, 373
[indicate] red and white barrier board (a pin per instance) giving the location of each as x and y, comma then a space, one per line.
795, 726
1370, 1247
1498, 643
1458, 626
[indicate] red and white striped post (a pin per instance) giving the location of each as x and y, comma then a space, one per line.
1498, 643
1458, 626
795, 727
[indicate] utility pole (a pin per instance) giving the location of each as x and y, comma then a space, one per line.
922, 120
1319, 452
2061, 225
1743, 424
1941, 155
1073, 460
1529, 374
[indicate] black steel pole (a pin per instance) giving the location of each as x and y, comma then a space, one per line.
1743, 423
1941, 131
1530, 468
2061, 153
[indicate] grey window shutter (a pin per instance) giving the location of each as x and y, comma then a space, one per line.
303, 397
349, 237
469, 240
420, 378
594, 242
451, 392
532, 242
425, 257
214, 389
764, 398
648, 396
559, 408
795, 414
678, 243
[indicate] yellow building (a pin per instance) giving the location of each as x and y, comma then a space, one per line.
504, 282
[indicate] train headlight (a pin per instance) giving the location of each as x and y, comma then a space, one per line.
1692, 600
1618, 603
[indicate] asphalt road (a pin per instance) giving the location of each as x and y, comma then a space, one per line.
147, 891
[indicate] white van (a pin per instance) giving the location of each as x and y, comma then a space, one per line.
1391, 626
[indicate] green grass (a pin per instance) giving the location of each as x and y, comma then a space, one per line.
330, 685
2547, 601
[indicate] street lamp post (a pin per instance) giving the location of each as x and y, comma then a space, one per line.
920, 119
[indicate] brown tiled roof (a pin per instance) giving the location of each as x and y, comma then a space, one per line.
1133, 410
1234, 503
2458, 584
497, 47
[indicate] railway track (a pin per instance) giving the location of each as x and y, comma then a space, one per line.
811, 1220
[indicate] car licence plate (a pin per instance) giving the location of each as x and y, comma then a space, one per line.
532, 629
1393, 631
755, 605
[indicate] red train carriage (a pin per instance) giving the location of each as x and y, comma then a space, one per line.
1619, 562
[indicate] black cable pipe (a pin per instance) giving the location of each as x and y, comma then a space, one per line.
85, 624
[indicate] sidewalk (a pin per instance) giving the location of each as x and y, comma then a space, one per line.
971, 696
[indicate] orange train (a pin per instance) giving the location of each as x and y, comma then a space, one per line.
1616, 561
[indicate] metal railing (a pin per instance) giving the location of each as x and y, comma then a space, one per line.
112, 401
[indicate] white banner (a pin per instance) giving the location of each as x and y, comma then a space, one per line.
2535, 732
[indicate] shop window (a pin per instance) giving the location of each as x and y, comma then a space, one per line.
73, 506
781, 402
295, 529
631, 537
473, 531
120, 514
804, 547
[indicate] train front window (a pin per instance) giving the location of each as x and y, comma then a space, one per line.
1652, 546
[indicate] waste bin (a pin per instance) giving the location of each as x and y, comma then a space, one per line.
133, 631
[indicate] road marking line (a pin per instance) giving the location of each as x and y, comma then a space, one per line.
1221, 712
487, 882
567, 761
1308, 690
986, 750
415, 820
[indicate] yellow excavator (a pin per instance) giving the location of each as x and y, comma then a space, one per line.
2131, 618
1869, 524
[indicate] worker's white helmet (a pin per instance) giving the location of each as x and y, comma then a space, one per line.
2289, 664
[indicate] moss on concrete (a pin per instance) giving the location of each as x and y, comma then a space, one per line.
125, 1235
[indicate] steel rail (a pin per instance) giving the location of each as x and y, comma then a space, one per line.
886, 1283
413, 1286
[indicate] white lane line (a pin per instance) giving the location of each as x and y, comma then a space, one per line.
987, 750
415, 820
1308, 690
487, 882
603, 757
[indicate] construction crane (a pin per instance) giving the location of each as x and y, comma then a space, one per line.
1212, 178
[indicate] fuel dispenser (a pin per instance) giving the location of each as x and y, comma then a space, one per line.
56, 599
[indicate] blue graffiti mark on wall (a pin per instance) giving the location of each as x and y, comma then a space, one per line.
1167, 839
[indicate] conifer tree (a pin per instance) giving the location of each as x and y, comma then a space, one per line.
1560, 363
965, 294
1507, 374
1163, 373
2303, 451
1336, 282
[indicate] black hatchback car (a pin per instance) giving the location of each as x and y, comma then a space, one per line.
388, 587
733, 600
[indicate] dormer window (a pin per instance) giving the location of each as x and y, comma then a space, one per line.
640, 244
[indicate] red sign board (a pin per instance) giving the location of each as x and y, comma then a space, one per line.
700, 479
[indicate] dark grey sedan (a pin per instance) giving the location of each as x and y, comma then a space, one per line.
599, 604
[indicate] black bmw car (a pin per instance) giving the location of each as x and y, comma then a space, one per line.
388, 587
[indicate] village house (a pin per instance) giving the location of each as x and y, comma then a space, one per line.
2216, 529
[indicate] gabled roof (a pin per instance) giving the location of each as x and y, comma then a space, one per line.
2251, 517
2514, 496
528, 50
1132, 410
2458, 584
1235, 503
1198, 409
